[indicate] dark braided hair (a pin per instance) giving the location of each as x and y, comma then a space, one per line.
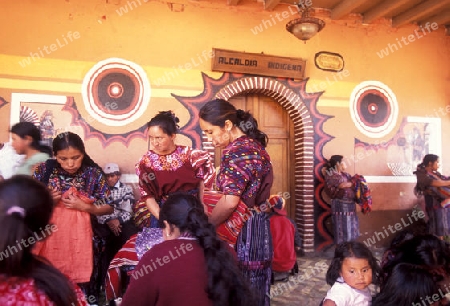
167, 121
427, 159
226, 285
218, 111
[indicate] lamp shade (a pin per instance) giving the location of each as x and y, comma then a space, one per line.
306, 27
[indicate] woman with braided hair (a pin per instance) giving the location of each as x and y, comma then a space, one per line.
191, 267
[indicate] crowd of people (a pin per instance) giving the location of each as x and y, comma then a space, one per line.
414, 269
181, 243
97, 217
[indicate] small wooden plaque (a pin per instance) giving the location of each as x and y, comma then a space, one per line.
260, 64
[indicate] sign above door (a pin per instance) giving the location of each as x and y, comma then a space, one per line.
259, 64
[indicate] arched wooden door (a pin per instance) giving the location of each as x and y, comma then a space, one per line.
275, 122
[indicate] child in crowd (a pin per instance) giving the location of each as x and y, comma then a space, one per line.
116, 228
26, 279
285, 239
351, 271
119, 222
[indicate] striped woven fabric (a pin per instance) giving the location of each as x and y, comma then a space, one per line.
230, 229
126, 257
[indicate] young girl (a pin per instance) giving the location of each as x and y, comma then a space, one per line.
26, 279
352, 270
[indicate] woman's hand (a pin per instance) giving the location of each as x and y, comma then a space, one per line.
56, 195
153, 207
224, 208
74, 202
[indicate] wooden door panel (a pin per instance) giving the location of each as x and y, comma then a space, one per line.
272, 118
277, 152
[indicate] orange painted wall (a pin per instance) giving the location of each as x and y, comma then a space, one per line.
160, 40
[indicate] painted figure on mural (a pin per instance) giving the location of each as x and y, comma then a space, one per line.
417, 143
47, 127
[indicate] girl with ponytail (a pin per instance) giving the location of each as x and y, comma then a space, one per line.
245, 176
26, 279
191, 267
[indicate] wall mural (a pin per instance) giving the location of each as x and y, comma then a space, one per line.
91, 132
40, 110
44, 111
415, 137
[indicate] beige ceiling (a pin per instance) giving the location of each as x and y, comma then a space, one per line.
397, 12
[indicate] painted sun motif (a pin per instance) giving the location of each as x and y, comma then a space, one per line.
116, 92
374, 109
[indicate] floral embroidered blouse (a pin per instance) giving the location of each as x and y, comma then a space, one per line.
181, 170
246, 171
89, 180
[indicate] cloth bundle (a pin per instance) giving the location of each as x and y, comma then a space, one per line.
363, 195
229, 230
